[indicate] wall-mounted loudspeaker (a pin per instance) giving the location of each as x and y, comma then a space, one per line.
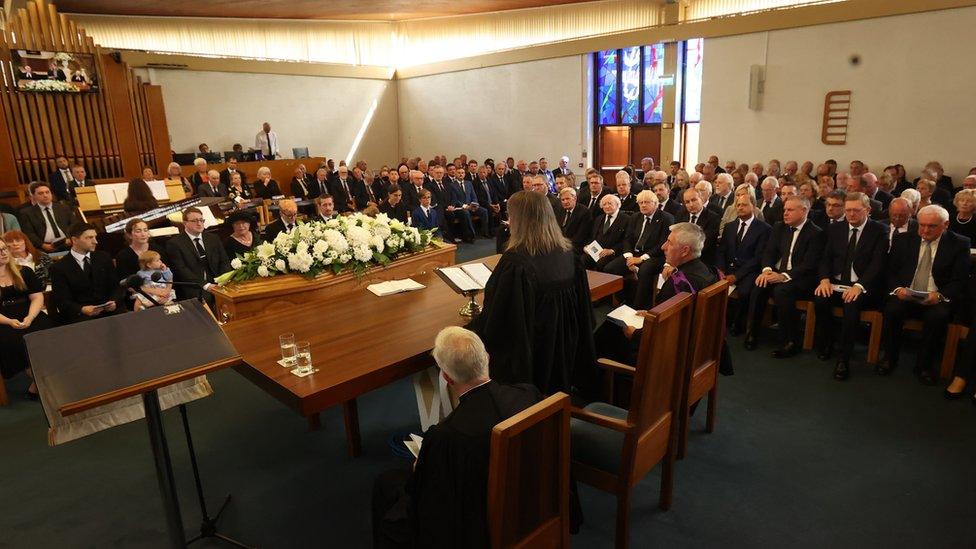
757, 86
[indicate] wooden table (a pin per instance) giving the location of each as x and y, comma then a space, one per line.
360, 342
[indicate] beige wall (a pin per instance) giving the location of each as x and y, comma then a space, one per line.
913, 92
526, 110
322, 113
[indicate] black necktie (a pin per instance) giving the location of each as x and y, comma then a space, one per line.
199, 246
640, 237
50, 219
592, 201
288, 227
606, 226
694, 219
345, 188
566, 217
268, 136
849, 258
784, 261
87, 268
741, 233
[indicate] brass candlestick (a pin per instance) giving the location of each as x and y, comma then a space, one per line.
471, 308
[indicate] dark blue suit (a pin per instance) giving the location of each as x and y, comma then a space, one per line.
471, 197
59, 187
429, 222
742, 259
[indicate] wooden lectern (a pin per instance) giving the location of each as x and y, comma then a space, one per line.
97, 362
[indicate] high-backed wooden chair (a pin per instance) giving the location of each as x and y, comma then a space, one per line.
701, 375
528, 477
614, 448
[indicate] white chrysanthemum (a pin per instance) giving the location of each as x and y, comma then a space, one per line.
343, 259
263, 271
300, 262
302, 247
279, 265
265, 250
397, 225
362, 253
381, 219
382, 231
320, 247
333, 224
282, 243
358, 236
336, 241
236, 263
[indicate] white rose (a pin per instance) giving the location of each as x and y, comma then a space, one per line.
236, 263
263, 271
279, 265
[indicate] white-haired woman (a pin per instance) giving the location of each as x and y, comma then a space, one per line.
537, 322
199, 177
265, 187
175, 173
962, 222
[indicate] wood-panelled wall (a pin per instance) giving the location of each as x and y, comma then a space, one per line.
113, 132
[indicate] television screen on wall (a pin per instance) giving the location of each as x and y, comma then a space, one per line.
54, 71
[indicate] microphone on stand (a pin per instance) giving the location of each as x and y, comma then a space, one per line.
134, 283
158, 277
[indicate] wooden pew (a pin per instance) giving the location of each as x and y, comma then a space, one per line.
528, 477
701, 373
954, 336
613, 448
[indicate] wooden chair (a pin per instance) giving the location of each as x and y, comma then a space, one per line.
614, 448
701, 374
528, 477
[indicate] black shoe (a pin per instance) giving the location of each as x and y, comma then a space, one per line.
885, 367
926, 378
954, 396
825, 353
786, 351
32, 396
841, 370
750, 342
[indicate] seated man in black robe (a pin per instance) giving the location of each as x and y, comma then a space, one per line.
684, 271
444, 501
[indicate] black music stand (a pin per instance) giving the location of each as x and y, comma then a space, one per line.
97, 362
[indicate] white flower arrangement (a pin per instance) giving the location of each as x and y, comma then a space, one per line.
63, 57
47, 85
356, 242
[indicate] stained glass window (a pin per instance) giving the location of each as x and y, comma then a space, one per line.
630, 74
653, 88
694, 52
607, 82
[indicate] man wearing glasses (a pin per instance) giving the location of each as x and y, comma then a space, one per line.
196, 256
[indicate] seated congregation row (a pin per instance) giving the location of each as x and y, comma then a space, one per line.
855, 248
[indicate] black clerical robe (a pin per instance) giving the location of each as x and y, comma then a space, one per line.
537, 322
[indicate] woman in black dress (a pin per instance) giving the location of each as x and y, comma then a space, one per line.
537, 322
962, 222
244, 238
137, 235
26, 255
265, 187
239, 191
21, 304
139, 198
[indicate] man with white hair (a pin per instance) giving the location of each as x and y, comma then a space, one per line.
574, 220
928, 276
609, 231
563, 168
704, 190
443, 502
900, 218
628, 200
647, 166
789, 273
212, 187
642, 254
770, 203
723, 192
685, 272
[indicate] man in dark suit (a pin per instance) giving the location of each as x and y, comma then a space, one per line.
319, 184
609, 231
343, 191
84, 283
450, 204
196, 256
393, 206
231, 169
770, 204
212, 187
45, 222
789, 273
325, 208
60, 178
933, 262
628, 200
472, 200
833, 211
642, 254
663, 192
498, 183
854, 257
695, 212
574, 220
299, 185
563, 168
869, 186
79, 179
486, 194
591, 194
450, 476
286, 222
899, 219
739, 254
412, 187
723, 196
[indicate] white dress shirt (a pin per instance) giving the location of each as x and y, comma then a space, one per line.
80, 258
267, 143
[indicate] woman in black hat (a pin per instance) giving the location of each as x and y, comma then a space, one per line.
245, 237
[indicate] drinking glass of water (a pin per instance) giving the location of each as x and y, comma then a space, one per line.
303, 356
287, 343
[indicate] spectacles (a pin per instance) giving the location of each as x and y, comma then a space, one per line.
198, 220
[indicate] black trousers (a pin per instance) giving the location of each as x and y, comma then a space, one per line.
743, 289
966, 360
647, 273
935, 320
392, 526
850, 322
785, 295
464, 221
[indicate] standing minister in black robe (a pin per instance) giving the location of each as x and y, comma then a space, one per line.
537, 321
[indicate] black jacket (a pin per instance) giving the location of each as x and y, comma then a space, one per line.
950, 266
613, 237
577, 228
806, 256
869, 254
72, 288
33, 225
584, 200
654, 235
187, 265
225, 177
742, 259
710, 224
